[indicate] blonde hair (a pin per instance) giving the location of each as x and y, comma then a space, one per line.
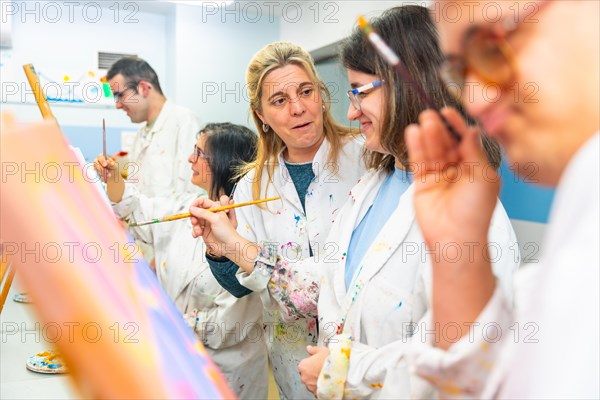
273, 56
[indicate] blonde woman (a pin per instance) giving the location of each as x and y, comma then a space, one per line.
311, 163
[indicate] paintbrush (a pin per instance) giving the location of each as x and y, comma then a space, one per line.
392, 58
187, 215
104, 147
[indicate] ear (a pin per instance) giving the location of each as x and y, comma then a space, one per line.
145, 88
260, 116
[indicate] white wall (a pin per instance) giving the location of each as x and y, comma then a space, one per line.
64, 40
211, 50
200, 54
324, 22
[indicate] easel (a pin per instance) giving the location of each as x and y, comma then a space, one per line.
36, 86
6, 268
8, 271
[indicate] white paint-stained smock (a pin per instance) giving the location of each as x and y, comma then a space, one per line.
158, 157
381, 309
547, 346
286, 225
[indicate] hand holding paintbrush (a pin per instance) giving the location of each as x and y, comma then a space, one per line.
214, 209
108, 170
104, 145
105, 166
218, 229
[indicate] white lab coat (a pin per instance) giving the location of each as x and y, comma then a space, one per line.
158, 157
231, 329
285, 223
549, 346
396, 285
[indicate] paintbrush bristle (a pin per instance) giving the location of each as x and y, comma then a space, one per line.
362, 22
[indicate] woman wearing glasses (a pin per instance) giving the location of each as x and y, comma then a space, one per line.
373, 292
228, 327
549, 347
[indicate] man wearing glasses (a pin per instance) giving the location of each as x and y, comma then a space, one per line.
162, 145
546, 345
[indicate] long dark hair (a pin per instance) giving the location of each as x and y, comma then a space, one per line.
410, 32
228, 147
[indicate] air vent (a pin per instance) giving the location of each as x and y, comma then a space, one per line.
105, 60
5, 28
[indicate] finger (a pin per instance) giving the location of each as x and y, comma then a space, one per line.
198, 202
202, 203
225, 200
312, 350
471, 145
456, 120
196, 232
437, 144
102, 160
208, 203
201, 214
196, 217
232, 218
195, 202
416, 155
207, 218
100, 170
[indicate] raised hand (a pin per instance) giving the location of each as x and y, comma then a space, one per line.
456, 188
106, 168
218, 229
456, 191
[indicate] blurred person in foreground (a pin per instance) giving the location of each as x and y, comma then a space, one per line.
554, 46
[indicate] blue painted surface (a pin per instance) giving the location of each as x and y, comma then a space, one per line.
522, 199
89, 140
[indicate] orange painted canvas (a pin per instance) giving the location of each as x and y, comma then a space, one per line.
121, 336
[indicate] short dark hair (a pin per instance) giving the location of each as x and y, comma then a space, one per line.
228, 146
134, 69
410, 32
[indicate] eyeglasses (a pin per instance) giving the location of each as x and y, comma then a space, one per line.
356, 95
199, 154
129, 86
487, 54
